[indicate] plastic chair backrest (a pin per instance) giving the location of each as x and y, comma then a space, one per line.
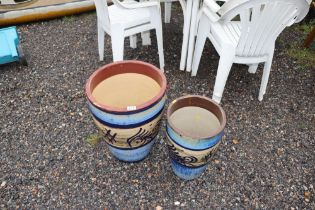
102, 11
261, 22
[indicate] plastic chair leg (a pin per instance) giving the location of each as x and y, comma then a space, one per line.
192, 32
133, 41
203, 31
159, 36
146, 40
252, 68
100, 40
265, 78
117, 44
168, 11
187, 17
225, 64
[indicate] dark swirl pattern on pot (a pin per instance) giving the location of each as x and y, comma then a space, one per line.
207, 157
143, 137
185, 160
109, 137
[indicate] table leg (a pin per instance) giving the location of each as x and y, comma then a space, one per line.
187, 19
193, 25
310, 37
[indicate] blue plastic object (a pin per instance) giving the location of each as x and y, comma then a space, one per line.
9, 45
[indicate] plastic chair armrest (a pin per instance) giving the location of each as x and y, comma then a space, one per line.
212, 4
211, 15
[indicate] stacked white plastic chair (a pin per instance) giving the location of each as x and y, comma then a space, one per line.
123, 19
168, 10
249, 40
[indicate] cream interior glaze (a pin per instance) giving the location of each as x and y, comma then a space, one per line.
128, 89
195, 121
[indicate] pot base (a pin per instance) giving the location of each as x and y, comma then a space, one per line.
185, 172
132, 155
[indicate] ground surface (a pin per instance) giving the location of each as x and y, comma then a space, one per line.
265, 162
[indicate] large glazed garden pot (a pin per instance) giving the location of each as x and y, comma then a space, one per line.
195, 126
126, 100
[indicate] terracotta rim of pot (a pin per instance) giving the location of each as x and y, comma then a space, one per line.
119, 67
198, 101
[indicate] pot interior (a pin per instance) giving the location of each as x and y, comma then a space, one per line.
126, 85
196, 117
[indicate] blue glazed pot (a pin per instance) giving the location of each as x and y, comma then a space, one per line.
189, 152
130, 131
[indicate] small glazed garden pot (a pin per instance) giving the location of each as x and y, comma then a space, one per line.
195, 127
130, 130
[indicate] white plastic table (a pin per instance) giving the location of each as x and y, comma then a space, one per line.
190, 8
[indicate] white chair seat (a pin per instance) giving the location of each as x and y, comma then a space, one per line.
128, 18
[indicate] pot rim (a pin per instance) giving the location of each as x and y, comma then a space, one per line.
149, 103
185, 134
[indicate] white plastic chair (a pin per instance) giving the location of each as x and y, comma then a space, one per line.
168, 10
251, 40
124, 19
